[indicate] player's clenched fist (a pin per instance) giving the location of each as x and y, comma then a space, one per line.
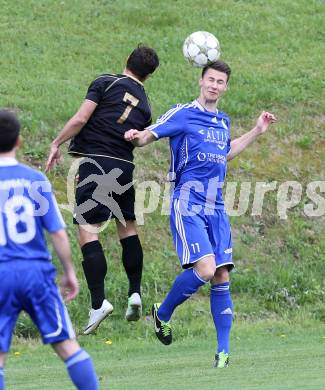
131, 135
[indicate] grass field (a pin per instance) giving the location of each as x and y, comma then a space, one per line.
267, 355
51, 50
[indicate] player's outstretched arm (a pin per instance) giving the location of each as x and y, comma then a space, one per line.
139, 138
241, 143
71, 128
69, 283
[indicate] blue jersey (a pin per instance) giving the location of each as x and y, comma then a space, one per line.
27, 207
199, 143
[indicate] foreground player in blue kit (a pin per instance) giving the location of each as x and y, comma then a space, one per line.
200, 146
27, 275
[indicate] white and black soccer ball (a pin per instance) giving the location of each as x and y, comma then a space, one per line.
201, 48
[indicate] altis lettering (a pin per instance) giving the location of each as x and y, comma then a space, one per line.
214, 136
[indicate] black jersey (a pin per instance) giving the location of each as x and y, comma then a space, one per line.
122, 105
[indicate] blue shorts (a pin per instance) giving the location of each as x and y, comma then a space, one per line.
200, 235
29, 285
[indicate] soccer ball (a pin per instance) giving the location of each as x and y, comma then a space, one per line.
201, 48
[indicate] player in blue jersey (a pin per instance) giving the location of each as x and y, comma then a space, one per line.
200, 146
27, 208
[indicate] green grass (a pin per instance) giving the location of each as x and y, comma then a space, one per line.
51, 50
269, 355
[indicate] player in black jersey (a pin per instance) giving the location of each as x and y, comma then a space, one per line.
114, 104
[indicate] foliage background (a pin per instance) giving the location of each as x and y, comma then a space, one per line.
51, 50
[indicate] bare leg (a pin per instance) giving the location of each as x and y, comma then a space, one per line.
2, 363
66, 348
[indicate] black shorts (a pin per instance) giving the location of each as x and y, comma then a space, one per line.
104, 191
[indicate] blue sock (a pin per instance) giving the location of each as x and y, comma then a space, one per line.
2, 380
221, 310
81, 371
186, 284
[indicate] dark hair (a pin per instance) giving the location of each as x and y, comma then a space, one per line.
9, 130
220, 66
142, 61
